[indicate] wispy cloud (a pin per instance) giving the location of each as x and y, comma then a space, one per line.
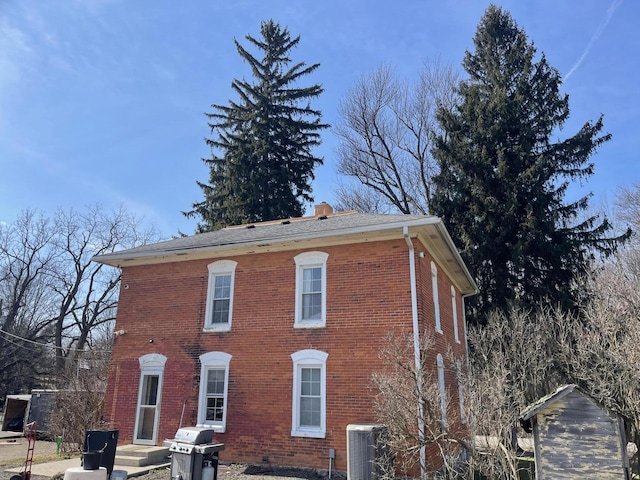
15, 49
597, 34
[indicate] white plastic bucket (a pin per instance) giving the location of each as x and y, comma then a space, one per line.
119, 475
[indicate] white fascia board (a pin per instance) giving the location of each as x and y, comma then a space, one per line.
172, 254
456, 254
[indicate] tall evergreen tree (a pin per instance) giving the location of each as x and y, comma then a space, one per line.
265, 139
503, 178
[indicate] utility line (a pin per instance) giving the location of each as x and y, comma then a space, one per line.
46, 345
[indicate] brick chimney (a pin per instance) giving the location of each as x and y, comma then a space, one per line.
323, 209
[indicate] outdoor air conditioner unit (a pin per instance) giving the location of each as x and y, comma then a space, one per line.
365, 452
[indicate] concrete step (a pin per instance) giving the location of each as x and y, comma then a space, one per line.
140, 455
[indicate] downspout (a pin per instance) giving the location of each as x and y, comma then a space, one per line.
416, 349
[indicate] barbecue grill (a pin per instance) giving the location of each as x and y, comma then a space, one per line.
192, 452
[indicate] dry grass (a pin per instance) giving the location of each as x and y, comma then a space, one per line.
51, 457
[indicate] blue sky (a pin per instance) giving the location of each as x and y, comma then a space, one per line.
103, 101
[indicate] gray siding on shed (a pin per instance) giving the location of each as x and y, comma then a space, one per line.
43, 403
574, 438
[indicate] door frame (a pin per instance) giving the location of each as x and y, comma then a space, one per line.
150, 365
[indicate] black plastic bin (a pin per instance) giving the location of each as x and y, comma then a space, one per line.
105, 440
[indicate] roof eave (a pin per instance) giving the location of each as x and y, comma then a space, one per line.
378, 232
447, 255
242, 248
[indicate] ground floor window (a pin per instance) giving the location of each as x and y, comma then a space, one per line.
441, 387
308, 417
214, 387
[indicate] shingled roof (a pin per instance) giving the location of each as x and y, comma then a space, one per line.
304, 232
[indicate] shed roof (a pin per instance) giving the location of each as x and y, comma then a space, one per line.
546, 401
304, 232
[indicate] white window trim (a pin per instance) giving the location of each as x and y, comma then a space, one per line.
307, 260
152, 361
151, 364
221, 267
436, 301
309, 359
207, 361
463, 416
454, 309
442, 388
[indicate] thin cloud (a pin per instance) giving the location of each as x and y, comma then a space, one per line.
14, 52
598, 33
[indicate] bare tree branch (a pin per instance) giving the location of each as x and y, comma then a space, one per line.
386, 135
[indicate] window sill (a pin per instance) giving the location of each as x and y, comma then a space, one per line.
216, 329
308, 433
215, 428
315, 324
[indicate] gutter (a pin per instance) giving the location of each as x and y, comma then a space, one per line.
456, 254
416, 349
174, 248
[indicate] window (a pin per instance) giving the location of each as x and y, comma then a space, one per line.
436, 303
220, 295
441, 387
311, 289
454, 309
308, 418
463, 417
214, 386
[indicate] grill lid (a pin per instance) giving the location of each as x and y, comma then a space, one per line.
194, 435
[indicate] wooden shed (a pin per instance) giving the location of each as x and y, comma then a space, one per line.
574, 437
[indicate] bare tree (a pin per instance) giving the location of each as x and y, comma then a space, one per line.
52, 297
601, 353
79, 406
522, 356
87, 292
409, 404
525, 343
513, 362
628, 202
517, 358
386, 137
493, 412
26, 260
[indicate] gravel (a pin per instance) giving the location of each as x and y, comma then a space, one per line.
236, 471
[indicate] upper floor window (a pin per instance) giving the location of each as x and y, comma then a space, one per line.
308, 418
436, 302
214, 386
311, 289
454, 309
220, 295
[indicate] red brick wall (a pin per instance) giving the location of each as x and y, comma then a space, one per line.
445, 343
368, 293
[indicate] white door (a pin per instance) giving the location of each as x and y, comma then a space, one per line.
149, 393
147, 417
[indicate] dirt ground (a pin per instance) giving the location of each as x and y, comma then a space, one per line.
13, 453
237, 471
16, 448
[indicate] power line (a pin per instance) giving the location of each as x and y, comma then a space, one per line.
45, 345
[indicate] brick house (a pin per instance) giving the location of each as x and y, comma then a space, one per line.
270, 332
